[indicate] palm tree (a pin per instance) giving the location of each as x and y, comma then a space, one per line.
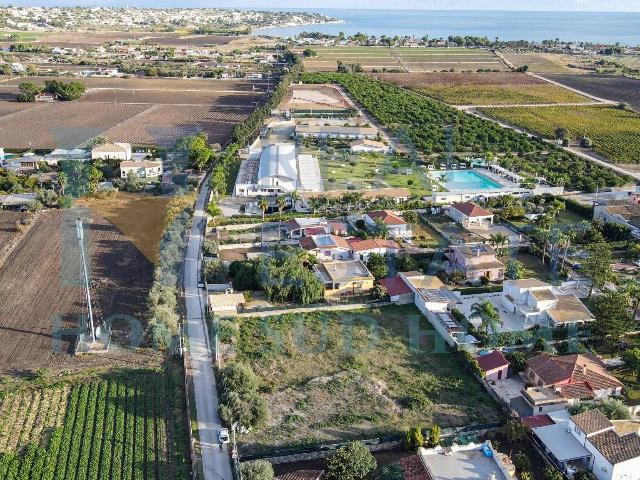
315, 203
488, 315
631, 290
544, 223
567, 239
281, 202
295, 198
498, 240
263, 204
62, 181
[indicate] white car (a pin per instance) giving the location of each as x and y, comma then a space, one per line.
223, 436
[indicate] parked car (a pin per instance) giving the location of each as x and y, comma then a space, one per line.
223, 436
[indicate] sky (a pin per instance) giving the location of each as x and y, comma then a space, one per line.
528, 5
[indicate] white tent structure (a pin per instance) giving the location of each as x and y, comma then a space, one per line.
278, 167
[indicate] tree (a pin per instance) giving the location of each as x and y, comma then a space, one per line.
351, 462
263, 204
410, 217
434, 436
631, 290
514, 270
281, 202
295, 197
498, 240
308, 52
515, 431
631, 360
551, 473
612, 408
584, 475
517, 361
218, 182
612, 316
597, 265
414, 439
28, 92
487, 313
513, 210
213, 209
377, 265
256, 470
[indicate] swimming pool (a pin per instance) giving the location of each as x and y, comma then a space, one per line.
466, 180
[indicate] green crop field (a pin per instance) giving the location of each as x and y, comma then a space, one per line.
615, 133
123, 425
411, 59
330, 377
501, 94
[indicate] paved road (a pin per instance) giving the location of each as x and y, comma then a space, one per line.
216, 464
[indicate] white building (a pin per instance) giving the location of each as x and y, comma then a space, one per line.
336, 131
141, 168
469, 214
278, 169
538, 303
627, 215
395, 224
111, 151
590, 441
61, 154
368, 146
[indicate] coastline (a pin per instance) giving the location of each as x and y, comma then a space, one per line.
256, 31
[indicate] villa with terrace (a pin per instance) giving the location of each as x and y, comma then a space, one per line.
538, 303
395, 224
589, 441
469, 214
475, 262
561, 381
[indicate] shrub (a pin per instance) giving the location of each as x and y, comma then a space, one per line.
551, 473
517, 360
351, 462
414, 439
256, 470
613, 408
521, 461
391, 472
434, 436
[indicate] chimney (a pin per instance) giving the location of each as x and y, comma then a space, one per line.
584, 368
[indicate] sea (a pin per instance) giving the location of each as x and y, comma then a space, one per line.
596, 27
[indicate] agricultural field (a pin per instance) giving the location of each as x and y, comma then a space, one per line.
143, 112
40, 287
144, 228
120, 425
500, 88
615, 133
331, 377
370, 171
610, 87
539, 62
9, 229
407, 58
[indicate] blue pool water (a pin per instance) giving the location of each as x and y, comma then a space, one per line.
467, 180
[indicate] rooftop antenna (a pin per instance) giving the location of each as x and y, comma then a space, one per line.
80, 236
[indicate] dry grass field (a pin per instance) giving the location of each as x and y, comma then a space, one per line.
498, 88
41, 290
411, 59
543, 62
140, 111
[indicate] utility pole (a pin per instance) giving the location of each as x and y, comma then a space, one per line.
80, 235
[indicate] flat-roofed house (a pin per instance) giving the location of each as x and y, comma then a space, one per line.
396, 226
111, 151
469, 214
626, 214
225, 303
475, 262
539, 303
344, 278
326, 247
141, 168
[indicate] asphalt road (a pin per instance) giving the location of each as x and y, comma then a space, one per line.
216, 463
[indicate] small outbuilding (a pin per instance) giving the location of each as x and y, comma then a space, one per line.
494, 365
226, 303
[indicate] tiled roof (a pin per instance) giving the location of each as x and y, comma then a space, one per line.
471, 209
537, 421
570, 309
373, 243
395, 286
616, 448
492, 360
591, 421
301, 475
386, 216
579, 390
324, 241
573, 369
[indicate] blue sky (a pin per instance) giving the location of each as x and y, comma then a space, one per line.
538, 5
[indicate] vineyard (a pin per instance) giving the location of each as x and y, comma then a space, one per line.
414, 80
615, 133
126, 425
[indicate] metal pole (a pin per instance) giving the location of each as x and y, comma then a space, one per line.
80, 234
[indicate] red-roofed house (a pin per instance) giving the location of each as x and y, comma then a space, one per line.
338, 228
326, 247
300, 227
396, 226
361, 249
469, 214
399, 292
494, 365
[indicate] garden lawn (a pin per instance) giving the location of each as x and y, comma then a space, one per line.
615, 133
501, 94
329, 377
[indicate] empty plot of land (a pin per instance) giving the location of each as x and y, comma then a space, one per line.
611, 87
9, 230
615, 133
41, 290
412, 59
499, 88
542, 62
154, 97
305, 97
